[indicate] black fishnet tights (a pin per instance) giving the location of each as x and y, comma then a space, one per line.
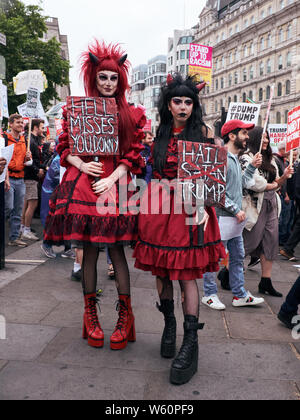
89, 269
189, 291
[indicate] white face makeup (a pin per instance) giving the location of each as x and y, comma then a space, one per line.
107, 82
181, 108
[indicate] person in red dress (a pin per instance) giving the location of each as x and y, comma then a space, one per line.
167, 246
75, 217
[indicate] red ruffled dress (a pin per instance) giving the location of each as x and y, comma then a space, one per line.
74, 216
167, 246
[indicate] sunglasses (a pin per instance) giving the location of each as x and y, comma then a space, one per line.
178, 101
104, 78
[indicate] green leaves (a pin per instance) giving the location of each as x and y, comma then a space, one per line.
24, 27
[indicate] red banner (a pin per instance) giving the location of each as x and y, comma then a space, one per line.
293, 130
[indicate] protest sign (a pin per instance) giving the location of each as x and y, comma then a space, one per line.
30, 79
200, 63
293, 130
93, 126
33, 98
3, 93
278, 134
22, 110
148, 126
207, 162
58, 126
244, 112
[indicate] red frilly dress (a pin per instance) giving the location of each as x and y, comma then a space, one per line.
74, 217
167, 246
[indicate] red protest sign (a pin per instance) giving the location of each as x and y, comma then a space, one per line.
293, 130
207, 162
92, 126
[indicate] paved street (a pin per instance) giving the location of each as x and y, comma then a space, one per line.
245, 353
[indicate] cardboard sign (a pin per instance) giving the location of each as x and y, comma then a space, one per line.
278, 134
3, 93
248, 113
207, 162
293, 130
148, 126
201, 62
22, 110
93, 126
32, 104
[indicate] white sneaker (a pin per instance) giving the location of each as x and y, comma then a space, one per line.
249, 300
213, 302
30, 236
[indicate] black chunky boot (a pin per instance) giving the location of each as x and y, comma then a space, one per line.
185, 365
168, 340
265, 286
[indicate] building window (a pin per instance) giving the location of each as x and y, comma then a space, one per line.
281, 4
251, 95
236, 78
182, 54
278, 117
280, 35
287, 87
260, 94
252, 20
246, 23
229, 100
268, 92
270, 10
244, 97
280, 66
262, 44
261, 69
230, 80
223, 62
245, 75
269, 66
289, 32
217, 84
222, 83
251, 48
216, 106
251, 73
279, 89
187, 54
269, 41
289, 59
235, 99
236, 28
182, 69
245, 50
230, 58
286, 114
262, 14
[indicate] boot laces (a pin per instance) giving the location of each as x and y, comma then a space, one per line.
93, 303
123, 310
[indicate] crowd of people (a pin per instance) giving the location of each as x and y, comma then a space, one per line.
259, 184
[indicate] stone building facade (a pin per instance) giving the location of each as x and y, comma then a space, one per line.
54, 31
256, 45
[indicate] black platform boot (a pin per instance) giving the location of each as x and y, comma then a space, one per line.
185, 365
168, 340
265, 286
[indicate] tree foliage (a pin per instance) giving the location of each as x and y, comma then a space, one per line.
24, 27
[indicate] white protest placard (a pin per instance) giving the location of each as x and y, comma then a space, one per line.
30, 79
278, 134
245, 112
6, 153
22, 110
32, 104
3, 93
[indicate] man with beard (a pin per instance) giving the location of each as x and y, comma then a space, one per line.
232, 217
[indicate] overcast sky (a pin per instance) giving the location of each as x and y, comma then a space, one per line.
142, 26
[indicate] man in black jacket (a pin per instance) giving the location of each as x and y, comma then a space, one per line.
32, 175
290, 246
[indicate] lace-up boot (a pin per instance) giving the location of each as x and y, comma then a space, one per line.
185, 365
92, 330
168, 340
125, 328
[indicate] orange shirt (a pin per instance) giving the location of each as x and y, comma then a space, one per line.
16, 166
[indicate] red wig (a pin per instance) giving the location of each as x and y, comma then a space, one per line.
110, 57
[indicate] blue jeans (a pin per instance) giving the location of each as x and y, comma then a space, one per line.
236, 250
14, 202
209, 284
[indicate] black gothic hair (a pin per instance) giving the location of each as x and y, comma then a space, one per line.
176, 86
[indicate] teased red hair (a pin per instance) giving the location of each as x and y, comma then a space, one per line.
107, 57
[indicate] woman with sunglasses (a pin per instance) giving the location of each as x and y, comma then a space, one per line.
74, 212
167, 246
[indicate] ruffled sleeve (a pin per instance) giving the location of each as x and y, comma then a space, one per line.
133, 158
63, 148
